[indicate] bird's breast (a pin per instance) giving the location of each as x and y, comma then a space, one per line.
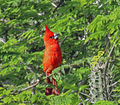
52, 57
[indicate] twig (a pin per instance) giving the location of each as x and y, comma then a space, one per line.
63, 40
60, 3
54, 4
2, 40
34, 84
29, 68
106, 63
106, 48
113, 84
29, 87
24, 89
85, 94
83, 103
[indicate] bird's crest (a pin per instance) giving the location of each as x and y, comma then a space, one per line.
47, 29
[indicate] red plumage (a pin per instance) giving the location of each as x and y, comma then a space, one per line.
52, 58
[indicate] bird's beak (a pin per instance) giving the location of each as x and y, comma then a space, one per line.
56, 36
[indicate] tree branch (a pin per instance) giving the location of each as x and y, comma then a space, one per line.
54, 4
63, 40
2, 40
29, 87
85, 94
60, 3
113, 84
106, 63
106, 66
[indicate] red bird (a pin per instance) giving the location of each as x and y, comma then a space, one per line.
52, 58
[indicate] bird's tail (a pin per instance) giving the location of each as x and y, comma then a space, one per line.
55, 91
50, 91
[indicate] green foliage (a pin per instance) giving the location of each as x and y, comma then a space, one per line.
96, 58
88, 30
105, 103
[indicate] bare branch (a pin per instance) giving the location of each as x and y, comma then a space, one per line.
106, 63
63, 41
2, 40
85, 94
113, 84
29, 87
83, 103
54, 4
60, 3
106, 66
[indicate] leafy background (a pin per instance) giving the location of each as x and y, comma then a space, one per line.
89, 39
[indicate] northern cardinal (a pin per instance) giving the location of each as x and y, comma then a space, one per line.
52, 58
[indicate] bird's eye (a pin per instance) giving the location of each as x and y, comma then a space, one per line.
51, 37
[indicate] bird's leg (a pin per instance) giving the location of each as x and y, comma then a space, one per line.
48, 91
47, 77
